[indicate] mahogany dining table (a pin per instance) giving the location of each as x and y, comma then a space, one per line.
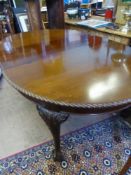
67, 71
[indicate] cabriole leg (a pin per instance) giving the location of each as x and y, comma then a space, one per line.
53, 121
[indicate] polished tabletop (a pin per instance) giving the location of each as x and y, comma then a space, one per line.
68, 68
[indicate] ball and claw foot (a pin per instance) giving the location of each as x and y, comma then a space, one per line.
58, 156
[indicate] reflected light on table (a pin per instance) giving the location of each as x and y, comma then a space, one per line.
119, 57
7, 44
100, 89
126, 68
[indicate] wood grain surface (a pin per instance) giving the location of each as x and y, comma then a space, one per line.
68, 67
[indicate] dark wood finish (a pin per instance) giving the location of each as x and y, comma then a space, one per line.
126, 167
54, 121
34, 14
68, 70
55, 13
55, 10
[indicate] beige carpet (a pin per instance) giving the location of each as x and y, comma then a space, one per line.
20, 125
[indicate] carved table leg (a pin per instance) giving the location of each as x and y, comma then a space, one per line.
53, 121
126, 113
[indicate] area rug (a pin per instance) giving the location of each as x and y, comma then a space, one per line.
100, 149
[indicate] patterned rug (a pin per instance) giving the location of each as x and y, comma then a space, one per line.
100, 149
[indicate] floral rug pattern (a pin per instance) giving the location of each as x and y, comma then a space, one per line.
100, 149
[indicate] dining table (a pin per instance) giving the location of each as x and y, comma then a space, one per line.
66, 71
